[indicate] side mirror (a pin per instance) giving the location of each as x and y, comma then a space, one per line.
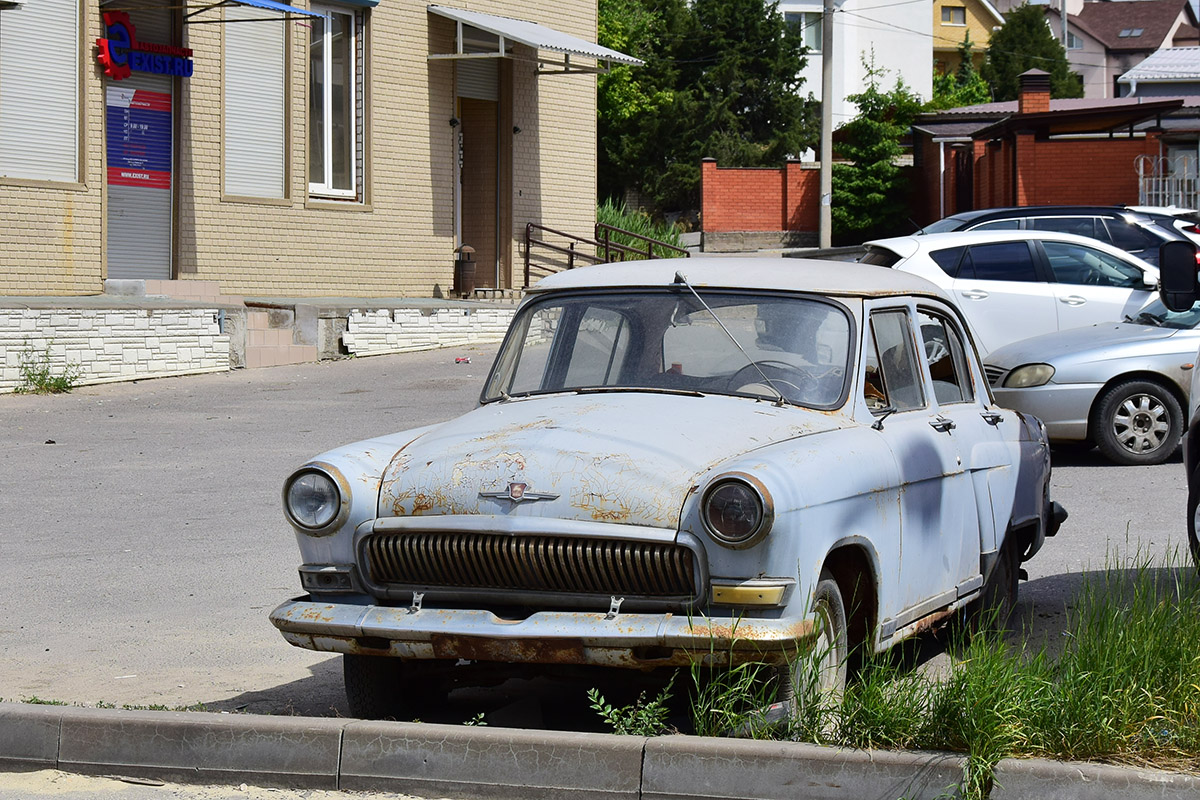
1177, 281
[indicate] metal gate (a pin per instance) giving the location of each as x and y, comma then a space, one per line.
1164, 181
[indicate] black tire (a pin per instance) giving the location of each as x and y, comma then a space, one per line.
1137, 423
993, 609
832, 648
373, 686
1193, 506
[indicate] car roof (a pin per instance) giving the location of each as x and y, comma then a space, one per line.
1034, 211
908, 246
837, 278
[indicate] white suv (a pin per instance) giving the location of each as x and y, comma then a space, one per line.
1018, 284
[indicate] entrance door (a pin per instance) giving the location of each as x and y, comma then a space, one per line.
479, 210
140, 149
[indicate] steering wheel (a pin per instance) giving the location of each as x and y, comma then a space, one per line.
1092, 278
936, 350
754, 372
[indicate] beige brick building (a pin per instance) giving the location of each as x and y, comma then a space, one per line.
286, 154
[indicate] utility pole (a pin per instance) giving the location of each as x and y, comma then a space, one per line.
825, 226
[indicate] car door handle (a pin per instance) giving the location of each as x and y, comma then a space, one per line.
1073, 300
991, 417
974, 294
942, 425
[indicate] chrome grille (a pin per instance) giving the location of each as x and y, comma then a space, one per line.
532, 563
994, 374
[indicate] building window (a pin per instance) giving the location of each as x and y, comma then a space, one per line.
334, 86
39, 91
1130, 33
954, 15
809, 23
255, 111
1074, 42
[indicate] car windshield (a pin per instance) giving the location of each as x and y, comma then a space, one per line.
1157, 314
794, 346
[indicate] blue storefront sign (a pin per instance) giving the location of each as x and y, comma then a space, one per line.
121, 53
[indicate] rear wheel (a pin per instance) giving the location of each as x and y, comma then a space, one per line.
373, 686
1137, 422
994, 608
1193, 520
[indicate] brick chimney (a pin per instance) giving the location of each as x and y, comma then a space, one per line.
1034, 97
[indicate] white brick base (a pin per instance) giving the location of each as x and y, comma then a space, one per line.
112, 344
404, 330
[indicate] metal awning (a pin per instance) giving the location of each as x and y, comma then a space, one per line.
289, 12
539, 37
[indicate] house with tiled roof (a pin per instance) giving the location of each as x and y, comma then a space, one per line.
1105, 39
1039, 151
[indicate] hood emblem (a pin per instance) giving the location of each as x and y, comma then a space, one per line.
518, 493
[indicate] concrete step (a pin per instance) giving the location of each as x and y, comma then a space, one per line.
270, 340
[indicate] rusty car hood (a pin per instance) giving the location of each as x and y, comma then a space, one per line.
624, 457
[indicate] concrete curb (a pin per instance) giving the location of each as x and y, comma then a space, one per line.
510, 764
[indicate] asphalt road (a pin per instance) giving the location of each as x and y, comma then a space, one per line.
142, 542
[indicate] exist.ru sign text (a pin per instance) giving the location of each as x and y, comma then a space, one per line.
122, 53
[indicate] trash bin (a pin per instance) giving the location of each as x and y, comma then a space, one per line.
464, 271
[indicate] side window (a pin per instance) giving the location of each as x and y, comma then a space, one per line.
335, 89
1076, 264
1128, 236
1004, 261
998, 225
946, 358
948, 259
1080, 226
891, 366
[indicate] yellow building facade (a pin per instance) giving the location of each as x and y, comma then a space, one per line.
342, 148
954, 20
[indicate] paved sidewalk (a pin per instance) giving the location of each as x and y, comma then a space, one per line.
511, 764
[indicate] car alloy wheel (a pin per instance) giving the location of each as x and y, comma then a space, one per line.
1194, 516
1138, 422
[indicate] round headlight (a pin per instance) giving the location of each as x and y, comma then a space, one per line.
1029, 375
736, 512
312, 499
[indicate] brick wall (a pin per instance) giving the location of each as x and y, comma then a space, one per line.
759, 199
1059, 172
107, 345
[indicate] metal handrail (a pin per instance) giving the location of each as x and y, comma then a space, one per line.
602, 243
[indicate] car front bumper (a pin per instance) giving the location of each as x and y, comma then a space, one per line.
1063, 408
549, 637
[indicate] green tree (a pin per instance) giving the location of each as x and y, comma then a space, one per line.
963, 87
870, 192
720, 80
1022, 43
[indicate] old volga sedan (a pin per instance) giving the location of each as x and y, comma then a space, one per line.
723, 460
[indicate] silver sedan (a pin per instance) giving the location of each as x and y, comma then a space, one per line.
1119, 386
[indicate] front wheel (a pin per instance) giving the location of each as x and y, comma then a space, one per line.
821, 673
373, 686
1138, 422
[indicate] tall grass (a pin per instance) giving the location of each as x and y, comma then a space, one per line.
1122, 687
620, 216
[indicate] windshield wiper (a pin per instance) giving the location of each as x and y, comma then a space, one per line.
682, 280
654, 389
1153, 319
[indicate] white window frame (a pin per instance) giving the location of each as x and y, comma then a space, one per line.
807, 18
20, 157
1074, 42
325, 189
948, 16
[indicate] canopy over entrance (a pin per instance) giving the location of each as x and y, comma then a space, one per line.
488, 36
